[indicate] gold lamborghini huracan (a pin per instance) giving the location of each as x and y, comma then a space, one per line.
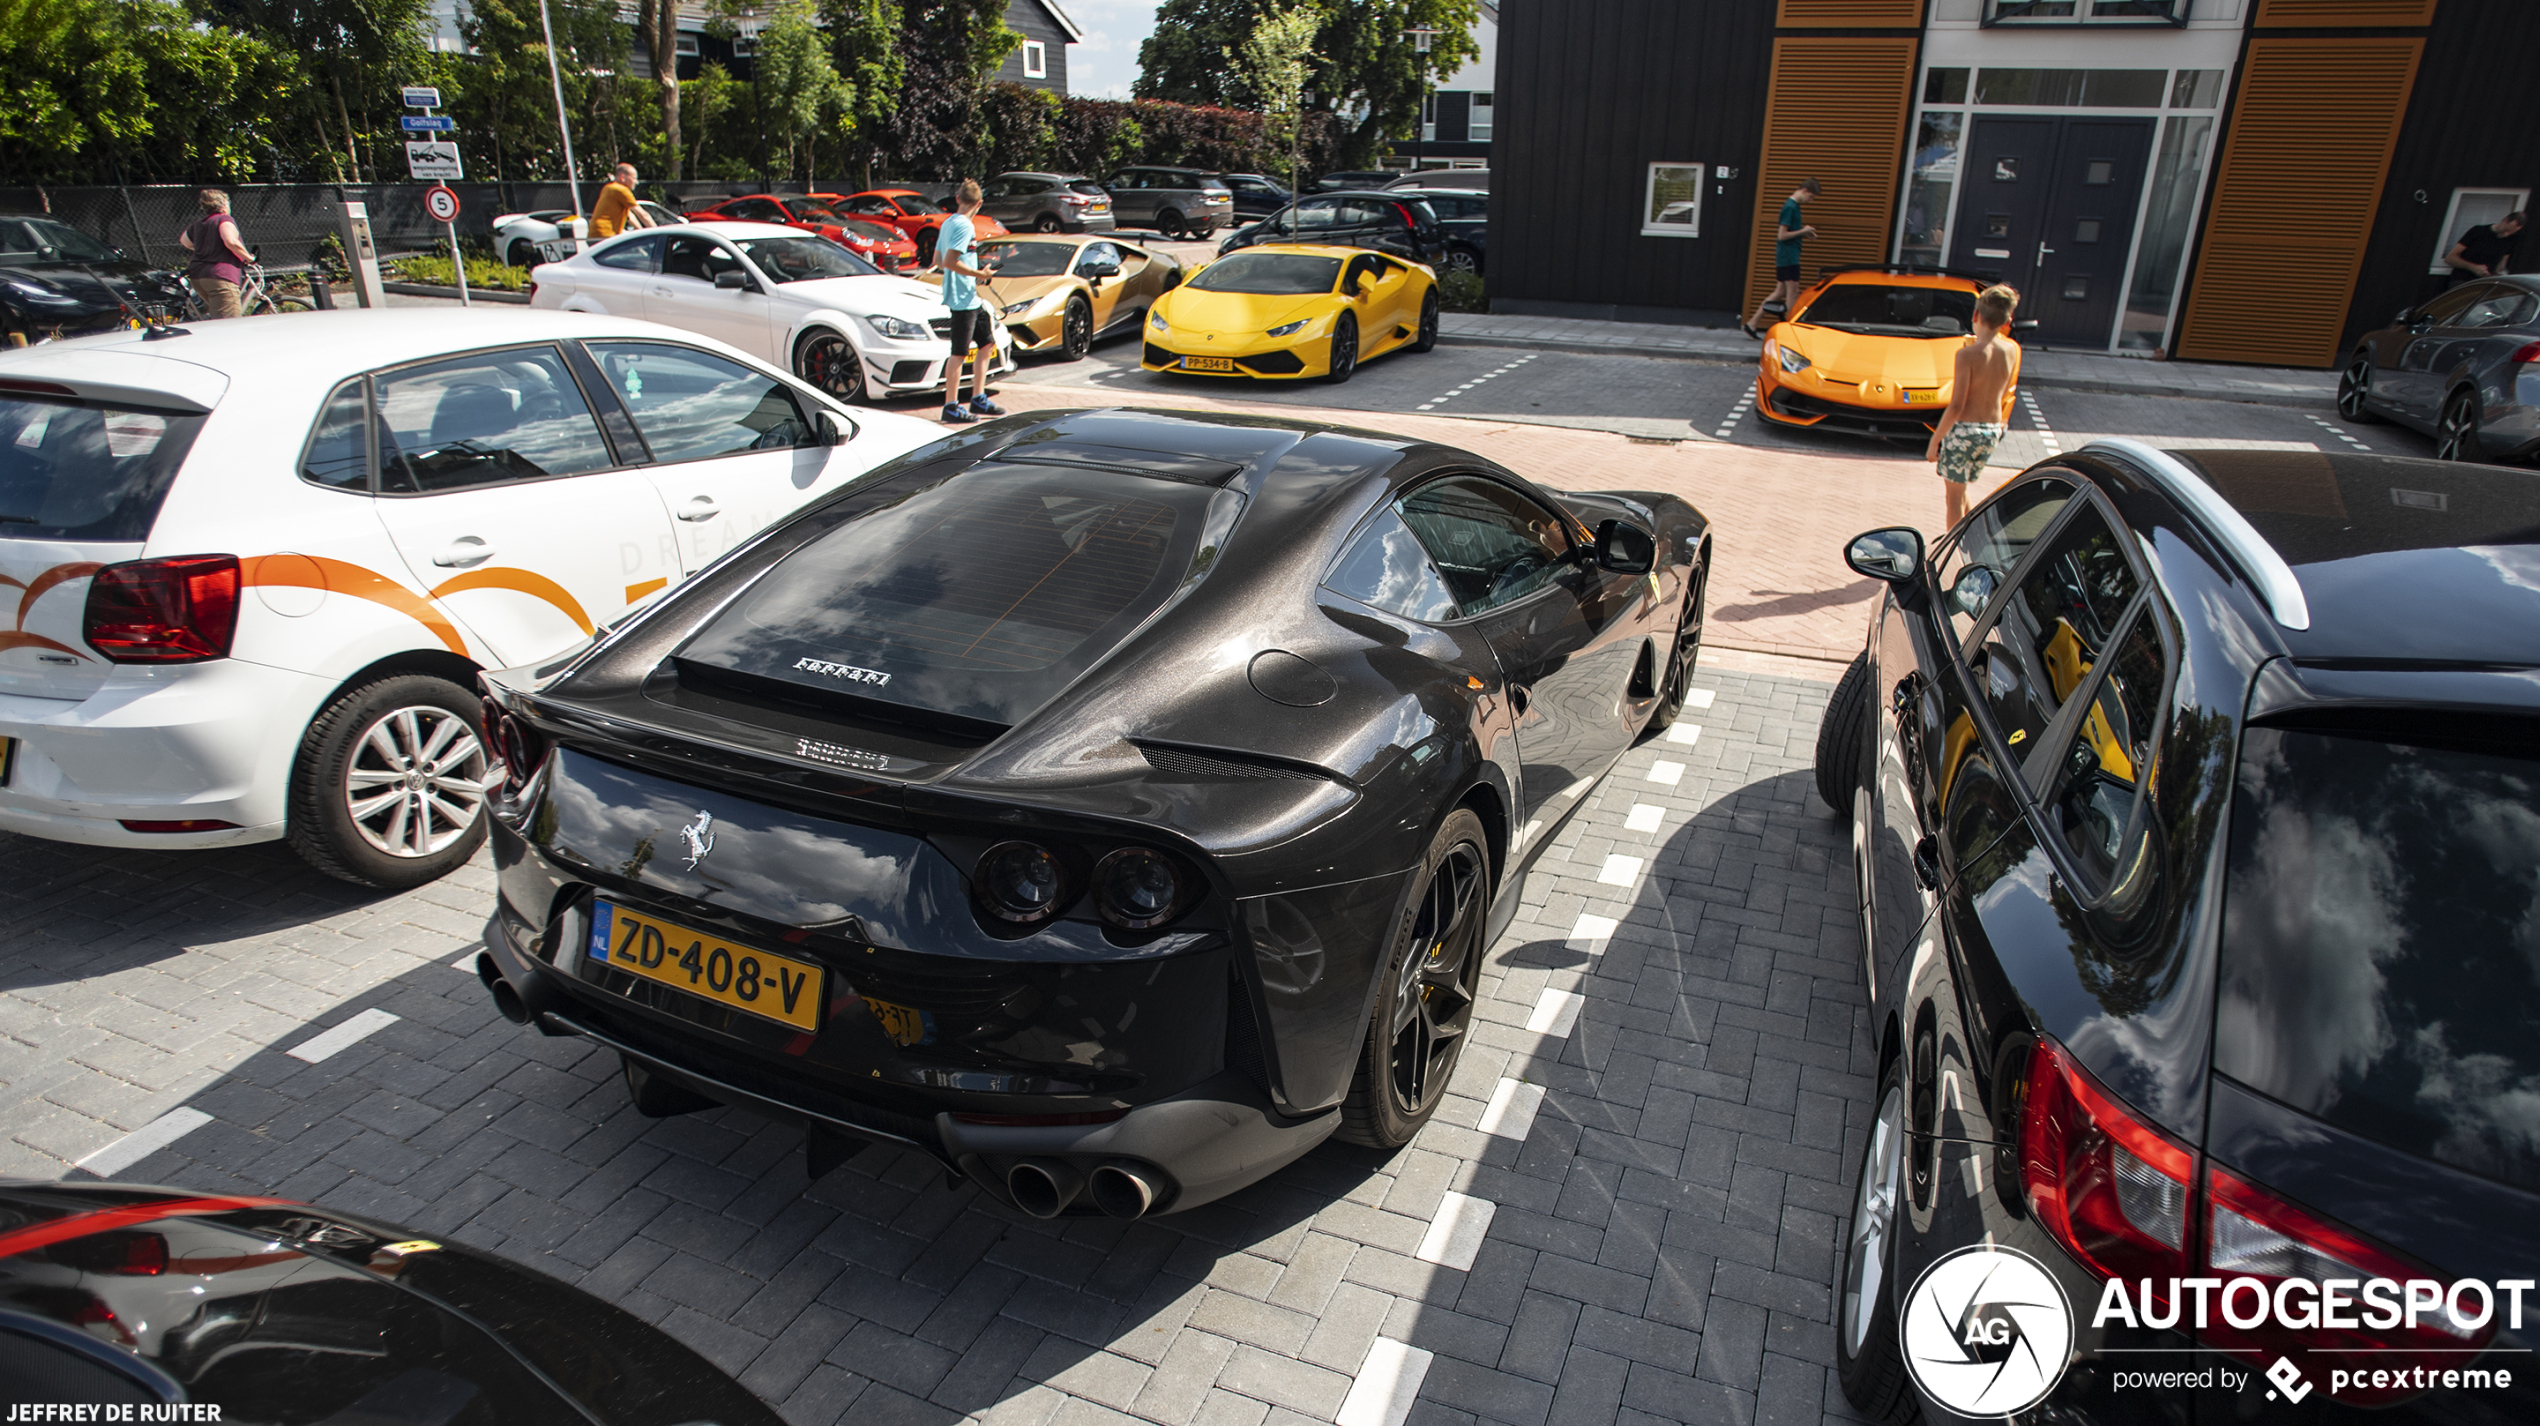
1057, 292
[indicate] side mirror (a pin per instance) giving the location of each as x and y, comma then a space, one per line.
835, 430
1973, 591
1624, 548
1365, 284
1103, 269
1894, 555
732, 281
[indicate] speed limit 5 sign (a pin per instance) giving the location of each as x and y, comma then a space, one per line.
441, 202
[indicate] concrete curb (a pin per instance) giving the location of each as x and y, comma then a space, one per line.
2027, 378
477, 294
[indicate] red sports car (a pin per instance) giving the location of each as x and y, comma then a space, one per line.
909, 211
883, 244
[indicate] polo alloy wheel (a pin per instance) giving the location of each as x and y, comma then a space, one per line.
390, 785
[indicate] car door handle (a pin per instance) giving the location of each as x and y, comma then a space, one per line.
700, 507
463, 552
1927, 864
660, 291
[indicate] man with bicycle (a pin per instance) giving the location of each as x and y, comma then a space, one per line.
220, 258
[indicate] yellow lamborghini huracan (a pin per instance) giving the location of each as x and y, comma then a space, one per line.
1292, 310
1870, 351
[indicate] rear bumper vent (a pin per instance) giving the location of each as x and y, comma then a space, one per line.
1191, 765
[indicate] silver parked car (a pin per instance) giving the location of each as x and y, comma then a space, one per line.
2463, 368
1177, 202
1048, 203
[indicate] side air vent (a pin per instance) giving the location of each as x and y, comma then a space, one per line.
1194, 766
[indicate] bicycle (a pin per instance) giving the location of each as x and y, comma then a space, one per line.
255, 298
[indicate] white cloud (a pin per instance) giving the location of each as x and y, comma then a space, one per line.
1105, 64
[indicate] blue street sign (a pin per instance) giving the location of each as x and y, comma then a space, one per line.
423, 96
428, 123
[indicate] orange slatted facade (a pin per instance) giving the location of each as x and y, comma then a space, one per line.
1850, 15
2294, 198
2330, 14
1836, 113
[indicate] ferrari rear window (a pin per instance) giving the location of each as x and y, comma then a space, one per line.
78, 472
975, 598
1269, 275
1908, 311
1029, 259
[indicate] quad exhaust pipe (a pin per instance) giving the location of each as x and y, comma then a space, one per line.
1044, 1187
1124, 1189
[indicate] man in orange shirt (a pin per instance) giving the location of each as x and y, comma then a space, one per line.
616, 211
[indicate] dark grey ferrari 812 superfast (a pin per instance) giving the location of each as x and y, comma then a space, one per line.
1112, 805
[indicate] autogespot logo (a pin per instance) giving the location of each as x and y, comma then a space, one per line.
1987, 1331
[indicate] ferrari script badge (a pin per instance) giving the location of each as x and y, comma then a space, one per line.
699, 835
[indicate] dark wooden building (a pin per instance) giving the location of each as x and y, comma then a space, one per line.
1041, 60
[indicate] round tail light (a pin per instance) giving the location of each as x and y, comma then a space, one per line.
1021, 882
1136, 888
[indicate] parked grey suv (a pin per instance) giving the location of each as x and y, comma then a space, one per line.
2463, 368
1048, 203
1177, 202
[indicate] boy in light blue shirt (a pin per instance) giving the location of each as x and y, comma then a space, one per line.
956, 252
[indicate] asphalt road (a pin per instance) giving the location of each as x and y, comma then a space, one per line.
1664, 398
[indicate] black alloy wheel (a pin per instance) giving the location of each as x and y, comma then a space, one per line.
2456, 435
1869, 1357
1344, 359
1463, 259
1046, 223
1169, 223
1680, 656
1424, 1004
2354, 388
1843, 737
1427, 341
829, 361
1076, 330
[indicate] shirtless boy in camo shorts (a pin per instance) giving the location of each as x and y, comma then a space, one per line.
1988, 368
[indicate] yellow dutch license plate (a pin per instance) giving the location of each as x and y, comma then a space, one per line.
1923, 398
1192, 363
755, 982
905, 1024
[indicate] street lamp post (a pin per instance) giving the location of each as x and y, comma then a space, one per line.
564, 130
1421, 39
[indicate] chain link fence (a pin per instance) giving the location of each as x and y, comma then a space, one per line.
289, 223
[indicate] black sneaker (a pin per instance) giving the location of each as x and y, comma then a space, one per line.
958, 416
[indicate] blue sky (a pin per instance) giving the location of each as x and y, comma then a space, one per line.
1106, 64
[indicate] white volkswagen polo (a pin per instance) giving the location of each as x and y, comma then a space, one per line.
248, 570
790, 298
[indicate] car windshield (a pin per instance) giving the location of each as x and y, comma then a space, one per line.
813, 209
1269, 274
1028, 259
974, 598
1087, 186
804, 259
55, 242
1900, 311
2381, 940
70, 471
911, 203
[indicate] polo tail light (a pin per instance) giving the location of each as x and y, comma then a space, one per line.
178, 610
2313, 1272
2111, 1188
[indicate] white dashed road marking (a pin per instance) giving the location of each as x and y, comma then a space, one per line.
343, 1037
1685, 734
1620, 870
1590, 935
1729, 422
1644, 818
2338, 431
1699, 698
2037, 418
141, 1143
1511, 1111
1436, 401
1667, 774
1387, 1385
1555, 1013
1456, 1234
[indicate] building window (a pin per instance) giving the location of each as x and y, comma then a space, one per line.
1429, 118
744, 46
1932, 188
2085, 12
1036, 60
1478, 127
2470, 208
1672, 207
2197, 89
2169, 215
685, 46
2072, 88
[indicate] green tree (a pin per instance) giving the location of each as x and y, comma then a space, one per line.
506, 94
657, 22
706, 99
936, 121
864, 46
797, 84
1369, 74
360, 52
99, 91
1274, 62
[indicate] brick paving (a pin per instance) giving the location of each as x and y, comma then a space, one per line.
1649, 1189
